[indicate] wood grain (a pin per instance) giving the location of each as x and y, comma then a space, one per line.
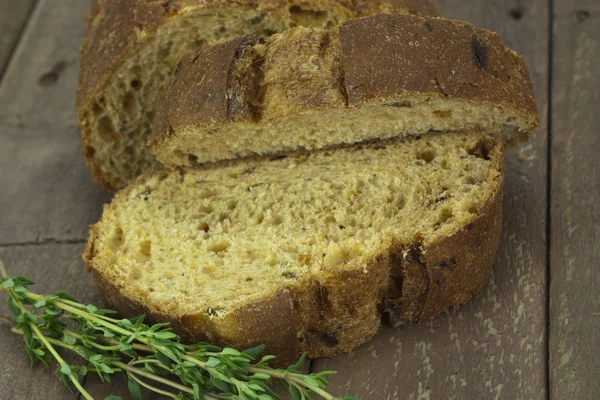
575, 212
495, 346
54, 267
47, 193
13, 18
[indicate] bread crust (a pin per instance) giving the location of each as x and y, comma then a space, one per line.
373, 59
115, 27
338, 311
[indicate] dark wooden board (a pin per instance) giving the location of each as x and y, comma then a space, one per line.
575, 212
54, 267
13, 17
46, 190
495, 346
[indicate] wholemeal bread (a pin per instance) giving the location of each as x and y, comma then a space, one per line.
305, 253
376, 77
131, 48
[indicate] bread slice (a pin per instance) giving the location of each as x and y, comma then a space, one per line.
131, 48
305, 253
376, 77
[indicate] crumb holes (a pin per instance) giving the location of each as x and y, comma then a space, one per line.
205, 194
135, 84
444, 164
165, 50
288, 275
128, 104
223, 217
97, 109
582, 15
469, 180
146, 248
399, 201
208, 270
219, 246
257, 19
150, 115
205, 208
106, 130
259, 218
214, 312
117, 239
329, 219
471, 208
135, 274
445, 215
298, 12
426, 155
443, 114
276, 220
203, 226
145, 195
249, 279
193, 160
516, 13
231, 204
401, 104
482, 149
90, 152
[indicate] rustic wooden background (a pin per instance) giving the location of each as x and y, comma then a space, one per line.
533, 333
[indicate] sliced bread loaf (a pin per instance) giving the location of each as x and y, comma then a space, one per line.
375, 77
305, 253
131, 48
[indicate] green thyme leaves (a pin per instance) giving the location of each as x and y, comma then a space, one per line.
150, 356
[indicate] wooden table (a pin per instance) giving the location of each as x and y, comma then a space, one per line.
534, 331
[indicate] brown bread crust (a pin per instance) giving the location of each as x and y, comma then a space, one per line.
115, 27
335, 313
375, 58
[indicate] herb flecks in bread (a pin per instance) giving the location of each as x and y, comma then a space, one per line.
376, 77
131, 48
305, 252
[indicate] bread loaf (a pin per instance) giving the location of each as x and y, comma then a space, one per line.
131, 48
376, 77
305, 253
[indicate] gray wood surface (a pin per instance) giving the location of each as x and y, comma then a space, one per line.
54, 267
46, 190
575, 218
13, 17
495, 346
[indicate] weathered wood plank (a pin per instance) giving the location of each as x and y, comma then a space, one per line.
575, 201
47, 193
54, 267
13, 18
495, 346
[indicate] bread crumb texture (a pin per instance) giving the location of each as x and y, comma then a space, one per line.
131, 50
209, 242
378, 77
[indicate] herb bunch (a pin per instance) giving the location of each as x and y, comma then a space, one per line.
151, 357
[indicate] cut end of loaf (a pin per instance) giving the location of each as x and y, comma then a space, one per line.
404, 116
126, 66
323, 227
379, 77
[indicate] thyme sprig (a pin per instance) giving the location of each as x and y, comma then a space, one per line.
150, 356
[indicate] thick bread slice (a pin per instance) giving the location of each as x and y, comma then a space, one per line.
131, 48
372, 78
307, 252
